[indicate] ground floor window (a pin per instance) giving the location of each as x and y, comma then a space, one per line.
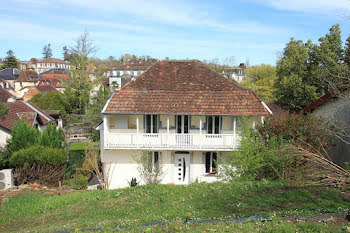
211, 159
154, 160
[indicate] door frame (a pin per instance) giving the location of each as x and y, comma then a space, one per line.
185, 162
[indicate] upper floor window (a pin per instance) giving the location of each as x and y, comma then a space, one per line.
182, 124
151, 123
214, 123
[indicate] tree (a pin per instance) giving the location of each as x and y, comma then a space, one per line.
66, 55
256, 73
52, 137
3, 110
98, 102
78, 88
294, 86
47, 51
10, 60
347, 52
51, 101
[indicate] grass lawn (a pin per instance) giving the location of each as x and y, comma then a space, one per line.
36, 212
81, 145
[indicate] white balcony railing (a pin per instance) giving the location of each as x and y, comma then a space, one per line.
171, 141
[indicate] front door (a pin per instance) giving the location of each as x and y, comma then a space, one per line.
182, 168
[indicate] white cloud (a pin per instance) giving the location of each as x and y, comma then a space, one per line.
320, 7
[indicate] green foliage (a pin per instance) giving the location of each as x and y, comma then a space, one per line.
257, 159
23, 136
294, 87
97, 104
52, 137
133, 182
10, 61
3, 110
263, 71
78, 87
39, 155
347, 52
51, 101
78, 182
305, 71
168, 203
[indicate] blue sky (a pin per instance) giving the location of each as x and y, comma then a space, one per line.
253, 29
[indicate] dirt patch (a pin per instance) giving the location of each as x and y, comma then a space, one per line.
326, 218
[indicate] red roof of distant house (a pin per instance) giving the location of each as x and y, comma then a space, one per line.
28, 76
184, 87
20, 110
55, 80
38, 89
5, 95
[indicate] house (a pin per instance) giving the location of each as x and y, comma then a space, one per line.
7, 86
38, 89
46, 64
184, 114
10, 75
54, 80
335, 109
27, 79
29, 113
6, 96
124, 73
236, 73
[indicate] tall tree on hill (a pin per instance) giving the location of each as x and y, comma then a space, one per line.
47, 51
78, 88
10, 60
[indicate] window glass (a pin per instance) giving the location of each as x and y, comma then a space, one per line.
210, 124
148, 123
207, 162
155, 124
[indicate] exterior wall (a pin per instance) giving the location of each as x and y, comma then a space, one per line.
338, 112
3, 137
120, 167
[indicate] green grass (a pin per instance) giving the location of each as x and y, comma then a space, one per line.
76, 146
144, 204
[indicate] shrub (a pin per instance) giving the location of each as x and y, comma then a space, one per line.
133, 182
52, 137
78, 182
38, 164
310, 132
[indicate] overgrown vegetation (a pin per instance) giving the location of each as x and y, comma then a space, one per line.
38, 212
151, 171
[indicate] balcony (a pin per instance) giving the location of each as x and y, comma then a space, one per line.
191, 142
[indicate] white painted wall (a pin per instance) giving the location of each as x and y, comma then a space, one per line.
3, 137
120, 167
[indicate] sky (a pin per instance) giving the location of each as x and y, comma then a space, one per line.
257, 30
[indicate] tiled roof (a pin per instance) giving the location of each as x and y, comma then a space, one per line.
46, 88
52, 60
5, 95
28, 76
20, 110
184, 87
55, 80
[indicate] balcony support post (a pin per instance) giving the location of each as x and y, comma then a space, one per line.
137, 130
234, 132
200, 131
262, 119
168, 125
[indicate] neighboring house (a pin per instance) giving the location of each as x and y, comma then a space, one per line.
124, 73
6, 84
6, 96
10, 75
54, 71
334, 108
184, 114
30, 113
236, 74
38, 89
26, 80
46, 64
54, 80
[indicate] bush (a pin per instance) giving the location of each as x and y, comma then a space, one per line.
78, 182
310, 132
38, 164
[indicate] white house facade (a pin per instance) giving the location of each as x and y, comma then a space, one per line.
183, 114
